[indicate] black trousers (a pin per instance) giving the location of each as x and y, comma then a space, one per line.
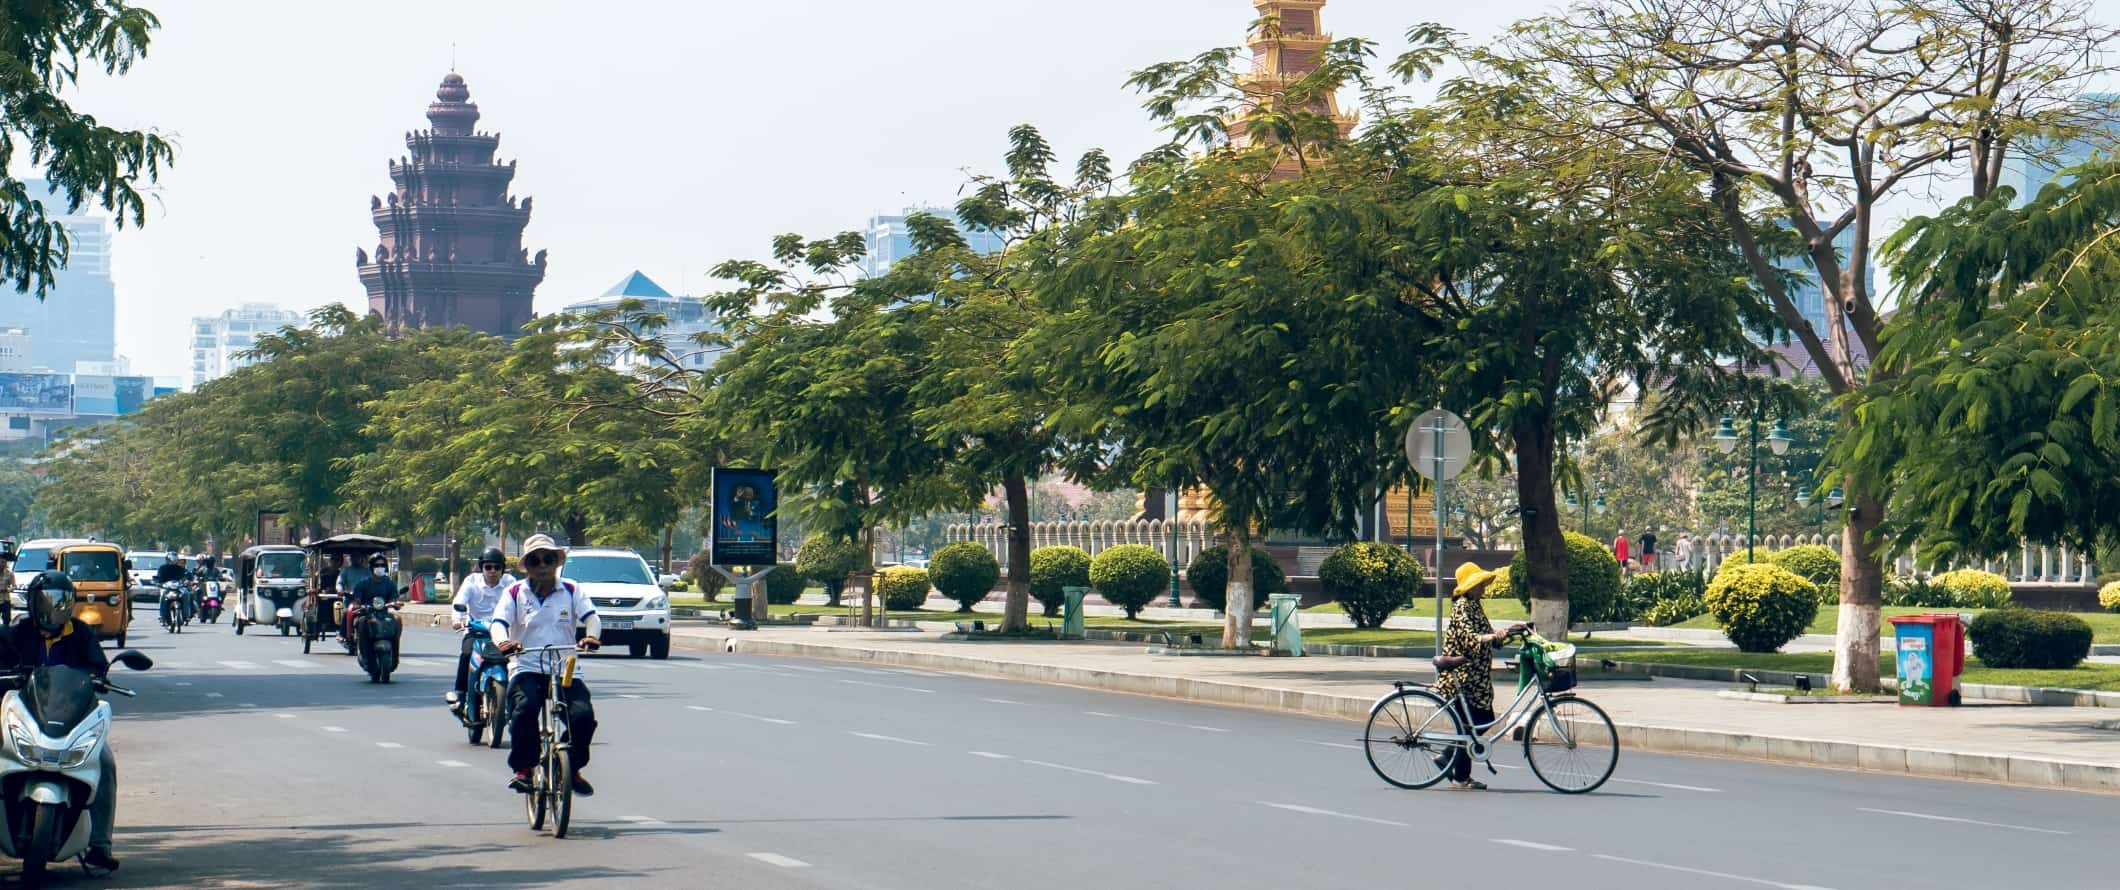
463, 665
1461, 764
526, 694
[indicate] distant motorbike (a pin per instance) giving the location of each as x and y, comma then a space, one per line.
210, 603
376, 633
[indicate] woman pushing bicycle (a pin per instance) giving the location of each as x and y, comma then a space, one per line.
1465, 664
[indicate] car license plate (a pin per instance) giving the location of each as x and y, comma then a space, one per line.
618, 624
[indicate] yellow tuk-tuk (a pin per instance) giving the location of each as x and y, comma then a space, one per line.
102, 594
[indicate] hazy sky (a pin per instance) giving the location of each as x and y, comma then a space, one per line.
663, 136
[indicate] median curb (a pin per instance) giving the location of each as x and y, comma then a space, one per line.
2023, 695
1905, 760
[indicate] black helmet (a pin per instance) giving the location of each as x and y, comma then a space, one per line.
379, 560
493, 557
51, 600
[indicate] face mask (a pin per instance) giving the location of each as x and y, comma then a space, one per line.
380, 571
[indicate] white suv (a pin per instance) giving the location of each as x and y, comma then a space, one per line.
633, 609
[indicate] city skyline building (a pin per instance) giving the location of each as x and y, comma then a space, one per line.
888, 239
685, 317
77, 321
450, 236
218, 341
2033, 173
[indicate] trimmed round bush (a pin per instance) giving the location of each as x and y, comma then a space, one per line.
1500, 588
1052, 570
1761, 607
2027, 638
1745, 557
964, 572
903, 588
828, 561
1815, 563
1593, 579
784, 585
2109, 596
1370, 580
1676, 610
1974, 589
1209, 577
1129, 576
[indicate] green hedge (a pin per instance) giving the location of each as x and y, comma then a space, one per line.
1916, 591
1815, 563
1209, 577
2025, 638
1129, 576
1055, 568
1761, 607
964, 572
828, 561
783, 585
903, 588
1593, 579
1974, 589
1370, 580
1665, 598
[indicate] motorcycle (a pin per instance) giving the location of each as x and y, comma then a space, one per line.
377, 630
481, 709
210, 603
55, 729
175, 605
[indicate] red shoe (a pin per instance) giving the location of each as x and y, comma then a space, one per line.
521, 782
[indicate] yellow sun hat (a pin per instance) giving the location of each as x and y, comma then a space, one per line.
1471, 577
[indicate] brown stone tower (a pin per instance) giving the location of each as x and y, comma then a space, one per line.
450, 250
1283, 52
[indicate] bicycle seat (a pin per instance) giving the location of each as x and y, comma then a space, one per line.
1407, 684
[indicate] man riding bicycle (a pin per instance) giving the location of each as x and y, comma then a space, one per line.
475, 599
541, 610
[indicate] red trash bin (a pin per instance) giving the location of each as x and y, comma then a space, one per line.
1930, 654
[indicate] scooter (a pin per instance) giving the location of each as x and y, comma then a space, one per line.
210, 603
482, 711
376, 632
174, 607
55, 729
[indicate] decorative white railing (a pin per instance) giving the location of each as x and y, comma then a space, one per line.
2031, 565
1178, 541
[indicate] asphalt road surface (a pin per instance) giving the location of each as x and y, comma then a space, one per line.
248, 764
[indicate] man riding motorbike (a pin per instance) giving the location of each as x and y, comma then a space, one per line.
173, 572
475, 599
50, 635
376, 584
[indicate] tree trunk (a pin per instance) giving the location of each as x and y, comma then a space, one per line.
1855, 646
1015, 615
1545, 552
1236, 604
831, 592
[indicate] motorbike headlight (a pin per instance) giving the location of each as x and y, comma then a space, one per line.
19, 730
375, 602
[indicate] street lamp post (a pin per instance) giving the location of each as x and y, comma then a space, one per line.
1170, 521
1778, 441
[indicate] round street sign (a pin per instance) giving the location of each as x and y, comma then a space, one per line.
1424, 446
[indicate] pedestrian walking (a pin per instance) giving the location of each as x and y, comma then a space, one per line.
1685, 550
1648, 548
1619, 547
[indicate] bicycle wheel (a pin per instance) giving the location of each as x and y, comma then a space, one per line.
561, 800
534, 802
1571, 745
1399, 739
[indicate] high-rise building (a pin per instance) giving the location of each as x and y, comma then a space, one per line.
684, 317
450, 249
2033, 173
77, 320
219, 341
889, 239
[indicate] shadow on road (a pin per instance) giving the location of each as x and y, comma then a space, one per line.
413, 855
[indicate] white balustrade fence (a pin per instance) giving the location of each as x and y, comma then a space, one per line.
2031, 565
1187, 537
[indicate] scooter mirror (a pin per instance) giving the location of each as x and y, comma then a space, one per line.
135, 660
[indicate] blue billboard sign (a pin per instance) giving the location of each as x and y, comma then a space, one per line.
39, 393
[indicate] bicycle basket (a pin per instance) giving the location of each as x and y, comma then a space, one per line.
1560, 680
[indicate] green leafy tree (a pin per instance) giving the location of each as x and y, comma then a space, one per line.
18, 490
49, 43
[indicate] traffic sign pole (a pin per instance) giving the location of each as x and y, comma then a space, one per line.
1440, 455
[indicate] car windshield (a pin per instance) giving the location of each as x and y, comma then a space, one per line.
148, 562
90, 565
607, 570
34, 559
280, 565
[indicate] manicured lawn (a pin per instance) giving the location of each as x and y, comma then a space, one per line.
1499, 610
2105, 626
2103, 677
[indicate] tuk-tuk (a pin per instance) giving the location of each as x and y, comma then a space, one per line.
102, 588
324, 611
270, 582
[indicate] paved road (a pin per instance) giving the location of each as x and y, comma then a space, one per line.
248, 764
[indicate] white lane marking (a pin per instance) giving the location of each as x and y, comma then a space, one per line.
1531, 845
1961, 821
284, 716
777, 859
248, 704
990, 755
1339, 745
1130, 780
450, 763
1672, 785
652, 667
806, 669
216, 695
911, 673
415, 662
185, 683
643, 820
887, 738
887, 686
296, 664
388, 745
174, 665
334, 729
627, 695
1157, 722
870, 671
704, 666
1314, 811
1001, 701
238, 665
1706, 873
774, 720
